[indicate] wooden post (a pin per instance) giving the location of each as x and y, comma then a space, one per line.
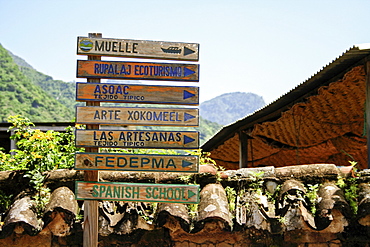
91, 213
243, 149
367, 110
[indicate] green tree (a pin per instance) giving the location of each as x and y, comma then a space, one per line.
19, 96
37, 150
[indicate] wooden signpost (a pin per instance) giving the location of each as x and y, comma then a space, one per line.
137, 162
91, 213
137, 70
137, 48
170, 193
137, 139
137, 93
94, 115
137, 116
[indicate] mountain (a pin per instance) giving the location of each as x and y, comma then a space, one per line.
30, 93
47, 90
19, 61
64, 92
229, 107
20, 96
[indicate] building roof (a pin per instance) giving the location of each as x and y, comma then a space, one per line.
319, 121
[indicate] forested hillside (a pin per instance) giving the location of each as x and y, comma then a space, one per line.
62, 91
32, 94
19, 96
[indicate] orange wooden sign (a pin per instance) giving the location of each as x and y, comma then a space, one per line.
137, 93
137, 139
137, 70
137, 116
137, 162
137, 48
170, 193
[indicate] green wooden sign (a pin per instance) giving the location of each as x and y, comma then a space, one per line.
137, 162
169, 193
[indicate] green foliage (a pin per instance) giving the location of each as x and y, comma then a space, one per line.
42, 195
207, 129
187, 179
19, 61
204, 157
193, 210
19, 96
282, 220
64, 92
79, 216
231, 197
5, 201
311, 195
257, 182
350, 188
39, 150
146, 211
37, 153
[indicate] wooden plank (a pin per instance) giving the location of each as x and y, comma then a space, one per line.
137, 93
169, 193
91, 213
137, 48
138, 116
137, 139
137, 162
137, 70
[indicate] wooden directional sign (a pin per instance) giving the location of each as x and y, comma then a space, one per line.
137, 48
137, 162
136, 93
137, 70
137, 139
170, 193
137, 116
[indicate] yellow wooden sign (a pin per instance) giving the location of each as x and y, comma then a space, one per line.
137, 70
137, 93
137, 162
137, 139
137, 116
137, 48
169, 193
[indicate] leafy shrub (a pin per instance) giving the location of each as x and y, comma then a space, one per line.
37, 150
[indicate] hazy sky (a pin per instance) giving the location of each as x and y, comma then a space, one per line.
263, 47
